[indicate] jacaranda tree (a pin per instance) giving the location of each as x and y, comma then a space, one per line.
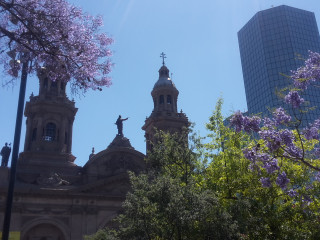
56, 36
261, 212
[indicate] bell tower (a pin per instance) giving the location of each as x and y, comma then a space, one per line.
48, 140
164, 115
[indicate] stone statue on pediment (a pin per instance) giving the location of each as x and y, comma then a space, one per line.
119, 124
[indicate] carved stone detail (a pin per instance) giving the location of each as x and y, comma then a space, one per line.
52, 180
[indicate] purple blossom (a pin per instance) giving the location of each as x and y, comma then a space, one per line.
300, 78
264, 157
253, 166
309, 73
287, 137
272, 139
292, 193
248, 124
280, 116
271, 166
307, 199
237, 121
275, 139
250, 154
309, 187
265, 182
293, 98
317, 177
293, 151
268, 123
282, 180
317, 152
251, 124
316, 123
311, 133
274, 145
253, 156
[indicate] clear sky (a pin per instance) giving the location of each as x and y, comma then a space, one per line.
199, 38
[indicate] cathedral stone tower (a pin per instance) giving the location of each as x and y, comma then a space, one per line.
164, 115
48, 140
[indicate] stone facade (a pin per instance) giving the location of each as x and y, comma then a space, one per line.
54, 198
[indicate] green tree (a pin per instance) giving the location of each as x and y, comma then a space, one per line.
169, 202
261, 212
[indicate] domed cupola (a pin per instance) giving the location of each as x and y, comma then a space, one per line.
164, 93
164, 79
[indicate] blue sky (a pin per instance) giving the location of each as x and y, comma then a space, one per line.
200, 41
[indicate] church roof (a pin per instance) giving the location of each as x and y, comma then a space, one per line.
120, 142
164, 79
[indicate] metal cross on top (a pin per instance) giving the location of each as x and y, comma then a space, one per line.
163, 55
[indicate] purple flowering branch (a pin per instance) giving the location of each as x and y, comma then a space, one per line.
308, 74
281, 136
276, 139
57, 36
293, 98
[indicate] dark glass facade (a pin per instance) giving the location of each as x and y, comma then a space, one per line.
272, 44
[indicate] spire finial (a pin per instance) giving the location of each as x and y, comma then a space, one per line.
163, 56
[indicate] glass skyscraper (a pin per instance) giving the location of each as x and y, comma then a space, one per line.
272, 44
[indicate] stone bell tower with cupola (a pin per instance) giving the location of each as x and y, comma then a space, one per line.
165, 115
50, 116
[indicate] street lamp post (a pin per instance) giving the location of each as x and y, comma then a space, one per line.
15, 151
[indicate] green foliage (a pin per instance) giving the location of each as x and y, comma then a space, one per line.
161, 207
207, 191
172, 157
168, 202
103, 234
